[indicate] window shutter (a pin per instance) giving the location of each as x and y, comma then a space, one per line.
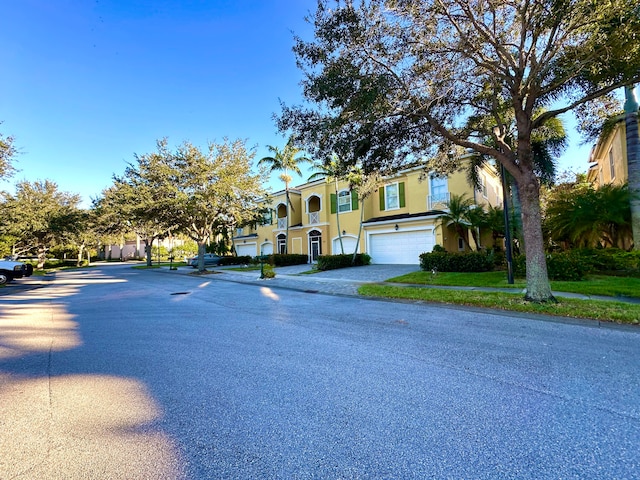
334, 203
354, 200
401, 194
381, 194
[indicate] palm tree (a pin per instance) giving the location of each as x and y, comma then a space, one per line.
333, 170
494, 221
364, 184
586, 217
477, 219
456, 218
633, 161
285, 160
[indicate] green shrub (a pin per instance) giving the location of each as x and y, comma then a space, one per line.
567, 266
230, 260
332, 262
284, 260
457, 262
610, 260
267, 271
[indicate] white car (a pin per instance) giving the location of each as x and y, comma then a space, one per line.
10, 270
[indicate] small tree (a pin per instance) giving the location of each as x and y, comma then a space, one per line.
456, 217
333, 170
138, 200
364, 185
213, 191
39, 216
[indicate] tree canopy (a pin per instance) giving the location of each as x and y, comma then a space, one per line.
7, 155
38, 216
396, 81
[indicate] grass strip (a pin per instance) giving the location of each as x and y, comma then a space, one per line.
606, 311
593, 285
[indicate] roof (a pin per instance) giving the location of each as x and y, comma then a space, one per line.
405, 216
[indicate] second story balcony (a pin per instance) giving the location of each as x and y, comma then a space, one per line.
439, 201
282, 223
314, 217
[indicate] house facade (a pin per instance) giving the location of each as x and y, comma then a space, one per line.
400, 220
608, 158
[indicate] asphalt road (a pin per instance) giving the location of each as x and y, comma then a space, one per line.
117, 373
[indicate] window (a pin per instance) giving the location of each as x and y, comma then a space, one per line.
612, 167
391, 196
439, 187
483, 186
460, 244
344, 201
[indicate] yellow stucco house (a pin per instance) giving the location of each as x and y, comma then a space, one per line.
400, 222
608, 159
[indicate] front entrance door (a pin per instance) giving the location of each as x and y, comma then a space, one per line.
315, 245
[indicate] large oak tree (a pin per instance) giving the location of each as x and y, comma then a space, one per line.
392, 81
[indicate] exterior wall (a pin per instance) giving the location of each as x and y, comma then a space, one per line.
314, 206
613, 148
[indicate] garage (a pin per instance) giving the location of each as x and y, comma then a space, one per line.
400, 247
349, 244
243, 249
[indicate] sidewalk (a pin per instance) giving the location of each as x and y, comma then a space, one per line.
346, 281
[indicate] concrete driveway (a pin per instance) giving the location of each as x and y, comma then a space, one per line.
366, 273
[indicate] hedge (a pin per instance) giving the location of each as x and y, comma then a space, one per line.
457, 262
240, 260
332, 262
567, 266
284, 260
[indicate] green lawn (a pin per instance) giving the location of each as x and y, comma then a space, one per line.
608, 311
594, 285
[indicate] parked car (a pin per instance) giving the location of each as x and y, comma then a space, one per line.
10, 270
209, 259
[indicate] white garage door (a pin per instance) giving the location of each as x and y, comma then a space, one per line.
267, 248
243, 250
349, 244
400, 247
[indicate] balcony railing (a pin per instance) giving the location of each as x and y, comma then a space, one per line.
314, 217
282, 223
439, 201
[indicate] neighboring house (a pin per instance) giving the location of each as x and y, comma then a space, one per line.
608, 158
400, 222
134, 249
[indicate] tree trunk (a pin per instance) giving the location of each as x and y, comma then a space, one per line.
42, 256
355, 252
538, 287
286, 235
338, 217
80, 255
148, 248
633, 162
202, 248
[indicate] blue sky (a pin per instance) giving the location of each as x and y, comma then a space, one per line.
86, 84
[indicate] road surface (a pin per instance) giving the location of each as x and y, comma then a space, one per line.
118, 373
